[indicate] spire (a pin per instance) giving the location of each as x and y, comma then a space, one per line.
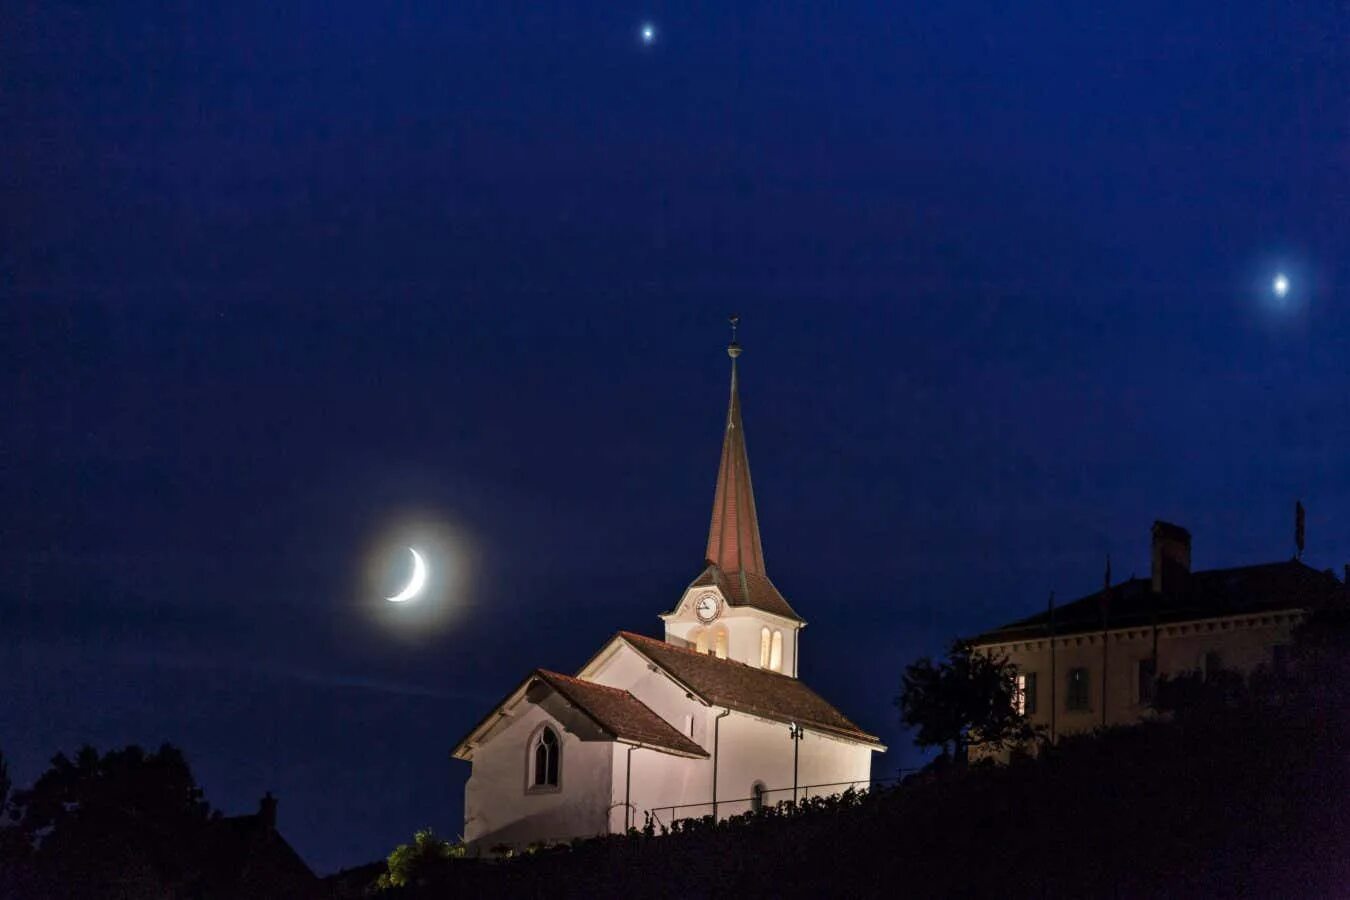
733, 538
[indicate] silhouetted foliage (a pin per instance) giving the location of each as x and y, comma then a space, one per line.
420, 861
966, 699
1196, 695
131, 824
13, 846
97, 821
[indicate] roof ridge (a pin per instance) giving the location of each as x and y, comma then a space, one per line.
828, 718
581, 695
572, 679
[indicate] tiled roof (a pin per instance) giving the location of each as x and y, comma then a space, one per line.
724, 682
747, 589
620, 713
1209, 594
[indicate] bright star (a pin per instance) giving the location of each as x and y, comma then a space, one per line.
648, 33
1280, 285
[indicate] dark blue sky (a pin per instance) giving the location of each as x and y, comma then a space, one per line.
274, 279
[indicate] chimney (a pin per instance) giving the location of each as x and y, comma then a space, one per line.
1171, 557
267, 812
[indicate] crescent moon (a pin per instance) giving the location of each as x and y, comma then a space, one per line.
416, 583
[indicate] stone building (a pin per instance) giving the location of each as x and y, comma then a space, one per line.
710, 720
1095, 661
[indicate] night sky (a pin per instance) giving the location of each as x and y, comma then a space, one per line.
282, 285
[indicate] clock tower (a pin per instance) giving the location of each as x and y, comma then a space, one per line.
732, 610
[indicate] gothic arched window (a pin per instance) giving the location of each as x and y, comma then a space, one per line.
545, 751
776, 652
764, 647
720, 643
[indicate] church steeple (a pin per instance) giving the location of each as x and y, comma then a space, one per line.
732, 609
733, 537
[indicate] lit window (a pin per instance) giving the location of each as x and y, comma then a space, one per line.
545, 753
701, 642
776, 652
720, 644
764, 647
1024, 693
1077, 695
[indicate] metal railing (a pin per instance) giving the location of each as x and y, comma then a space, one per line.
665, 816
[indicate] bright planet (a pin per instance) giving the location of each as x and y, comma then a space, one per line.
415, 583
1280, 285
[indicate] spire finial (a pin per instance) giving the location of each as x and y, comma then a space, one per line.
734, 349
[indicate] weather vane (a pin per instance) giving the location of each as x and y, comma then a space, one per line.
734, 349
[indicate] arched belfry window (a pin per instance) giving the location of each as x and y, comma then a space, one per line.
545, 753
701, 641
776, 652
720, 643
764, 647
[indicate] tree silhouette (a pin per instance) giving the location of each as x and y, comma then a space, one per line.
96, 818
966, 699
13, 846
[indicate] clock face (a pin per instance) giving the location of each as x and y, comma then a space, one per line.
707, 606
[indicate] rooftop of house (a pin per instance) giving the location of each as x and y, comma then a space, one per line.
1213, 593
246, 856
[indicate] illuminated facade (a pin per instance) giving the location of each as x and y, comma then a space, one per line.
712, 720
1095, 661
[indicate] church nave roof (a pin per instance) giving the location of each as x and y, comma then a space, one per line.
614, 711
620, 713
725, 682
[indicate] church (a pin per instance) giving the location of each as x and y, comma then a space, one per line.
710, 721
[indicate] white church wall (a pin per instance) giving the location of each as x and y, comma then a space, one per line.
499, 808
750, 749
744, 629
759, 750
658, 778
630, 671
595, 794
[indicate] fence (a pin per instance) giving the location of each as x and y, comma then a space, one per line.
666, 815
